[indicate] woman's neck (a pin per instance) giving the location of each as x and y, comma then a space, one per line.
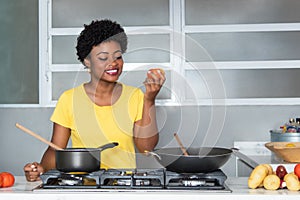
103, 93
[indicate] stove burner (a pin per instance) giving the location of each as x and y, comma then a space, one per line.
212, 180
122, 182
70, 179
128, 182
193, 183
135, 179
57, 179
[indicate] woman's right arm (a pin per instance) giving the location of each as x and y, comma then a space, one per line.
60, 137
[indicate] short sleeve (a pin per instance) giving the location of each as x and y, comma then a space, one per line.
62, 112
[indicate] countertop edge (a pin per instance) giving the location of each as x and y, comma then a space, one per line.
24, 190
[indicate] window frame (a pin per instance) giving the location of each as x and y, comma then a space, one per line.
178, 64
274, 64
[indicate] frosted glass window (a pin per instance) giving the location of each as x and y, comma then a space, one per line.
152, 49
203, 12
19, 51
251, 46
258, 83
62, 81
141, 48
148, 48
75, 13
64, 51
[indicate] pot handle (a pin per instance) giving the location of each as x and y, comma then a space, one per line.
150, 153
244, 158
107, 146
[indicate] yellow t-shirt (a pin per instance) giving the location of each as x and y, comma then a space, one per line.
92, 125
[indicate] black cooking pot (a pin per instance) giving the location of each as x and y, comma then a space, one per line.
199, 160
80, 159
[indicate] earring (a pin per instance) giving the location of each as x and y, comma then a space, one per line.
88, 70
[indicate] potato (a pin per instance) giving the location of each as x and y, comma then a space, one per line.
271, 182
261, 185
257, 176
292, 182
270, 169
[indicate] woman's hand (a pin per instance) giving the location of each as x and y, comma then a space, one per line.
145, 130
153, 83
33, 171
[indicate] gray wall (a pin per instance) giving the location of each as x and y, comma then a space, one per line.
242, 123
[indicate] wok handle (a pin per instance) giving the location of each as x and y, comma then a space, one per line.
150, 153
244, 158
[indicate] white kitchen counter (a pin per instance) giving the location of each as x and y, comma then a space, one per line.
23, 190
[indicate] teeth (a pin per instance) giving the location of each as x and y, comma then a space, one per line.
112, 71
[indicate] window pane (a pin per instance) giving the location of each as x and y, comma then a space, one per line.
258, 83
62, 81
202, 12
141, 48
150, 13
63, 50
19, 50
148, 48
252, 46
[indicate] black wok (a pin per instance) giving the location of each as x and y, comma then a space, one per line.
199, 160
80, 159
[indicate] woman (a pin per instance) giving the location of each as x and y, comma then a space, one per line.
104, 110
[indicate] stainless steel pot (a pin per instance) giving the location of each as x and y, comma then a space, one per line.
278, 136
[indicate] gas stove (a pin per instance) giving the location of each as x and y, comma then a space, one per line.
133, 180
198, 181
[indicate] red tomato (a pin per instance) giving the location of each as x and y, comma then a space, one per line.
297, 170
6, 179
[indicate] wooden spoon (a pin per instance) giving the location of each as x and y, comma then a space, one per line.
54, 146
181, 145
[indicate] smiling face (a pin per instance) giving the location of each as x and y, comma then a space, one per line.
105, 62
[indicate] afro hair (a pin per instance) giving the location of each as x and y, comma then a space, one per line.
99, 31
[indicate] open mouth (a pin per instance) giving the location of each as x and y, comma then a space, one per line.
112, 71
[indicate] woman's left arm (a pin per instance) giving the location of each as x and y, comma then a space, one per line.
145, 130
